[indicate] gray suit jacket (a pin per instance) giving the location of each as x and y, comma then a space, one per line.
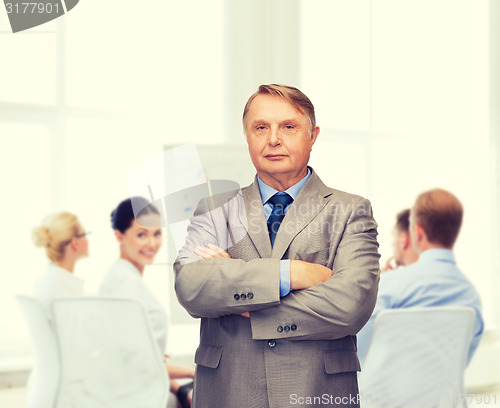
292, 348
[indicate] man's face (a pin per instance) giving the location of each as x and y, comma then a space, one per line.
398, 245
279, 138
402, 246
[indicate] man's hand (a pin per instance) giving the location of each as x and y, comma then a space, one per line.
304, 275
212, 251
388, 265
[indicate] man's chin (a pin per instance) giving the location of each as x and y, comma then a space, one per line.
274, 166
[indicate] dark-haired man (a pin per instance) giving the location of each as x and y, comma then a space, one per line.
283, 274
403, 252
434, 280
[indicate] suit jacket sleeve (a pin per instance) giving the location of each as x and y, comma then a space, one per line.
207, 287
340, 306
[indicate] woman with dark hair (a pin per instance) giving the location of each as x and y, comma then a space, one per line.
137, 226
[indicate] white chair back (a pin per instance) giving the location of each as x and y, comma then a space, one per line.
109, 358
417, 358
43, 381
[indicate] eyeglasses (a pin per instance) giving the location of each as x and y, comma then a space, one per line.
83, 234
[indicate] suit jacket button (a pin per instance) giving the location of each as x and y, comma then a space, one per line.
293, 327
272, 343
236, 296
280, 329
250, 295
286, 328
243, 296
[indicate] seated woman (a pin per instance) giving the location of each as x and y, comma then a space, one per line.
65, 242
140, 238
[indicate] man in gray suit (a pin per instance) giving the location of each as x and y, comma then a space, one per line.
283, 273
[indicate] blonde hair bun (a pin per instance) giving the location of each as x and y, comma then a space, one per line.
41, 236
54, 233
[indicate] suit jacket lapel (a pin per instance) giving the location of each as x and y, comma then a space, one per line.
311, 199
256, 220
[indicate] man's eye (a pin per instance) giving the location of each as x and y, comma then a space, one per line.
261, 127
288, 127
140, 235
158, 234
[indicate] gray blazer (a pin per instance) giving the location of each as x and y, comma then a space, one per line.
292, 348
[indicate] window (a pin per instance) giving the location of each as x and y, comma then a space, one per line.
25, 169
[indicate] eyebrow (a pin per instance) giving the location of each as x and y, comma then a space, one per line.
144, 229
259, 121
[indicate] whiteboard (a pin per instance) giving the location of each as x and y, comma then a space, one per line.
219, 162
225, 162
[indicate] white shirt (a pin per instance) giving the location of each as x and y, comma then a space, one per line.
124, 279
56, 282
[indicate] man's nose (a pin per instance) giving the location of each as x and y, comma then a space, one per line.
274, 138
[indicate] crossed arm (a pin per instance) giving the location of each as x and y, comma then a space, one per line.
303, 275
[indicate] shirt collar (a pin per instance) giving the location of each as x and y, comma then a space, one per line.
62, 274
128, 266
266, 191
438, 254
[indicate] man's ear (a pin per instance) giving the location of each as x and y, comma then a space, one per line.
405, 240
314, 135
419, 232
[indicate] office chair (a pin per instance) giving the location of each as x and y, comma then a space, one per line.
417, 358
108, 355
44, 378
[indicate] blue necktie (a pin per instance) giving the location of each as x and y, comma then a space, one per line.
280, 202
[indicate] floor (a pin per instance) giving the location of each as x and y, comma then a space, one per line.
16, 398
14, 395
13, 398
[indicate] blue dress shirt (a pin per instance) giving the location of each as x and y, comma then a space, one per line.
434, 280
266, 192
